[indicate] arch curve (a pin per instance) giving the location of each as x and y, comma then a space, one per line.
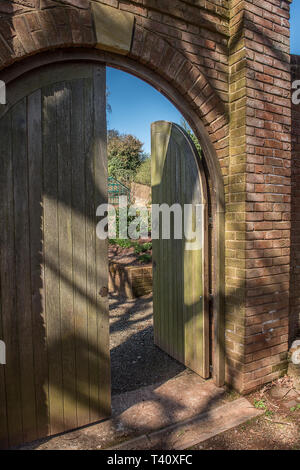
62, 33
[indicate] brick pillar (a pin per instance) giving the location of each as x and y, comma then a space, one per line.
258, 193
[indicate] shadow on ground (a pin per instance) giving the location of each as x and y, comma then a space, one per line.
135, 360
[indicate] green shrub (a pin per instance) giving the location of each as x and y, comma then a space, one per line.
145, 258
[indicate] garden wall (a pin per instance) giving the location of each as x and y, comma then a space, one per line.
229, 62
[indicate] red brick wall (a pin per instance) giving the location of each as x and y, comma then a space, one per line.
295, 218
184, 43
229, 60
259, 333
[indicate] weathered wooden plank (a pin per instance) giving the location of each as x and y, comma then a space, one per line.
169, 257
90, 234
10, 419
64, 159
52, 304
180, 178
79, 252
160, 148
99, 159
22, 264
3, 409
35, 192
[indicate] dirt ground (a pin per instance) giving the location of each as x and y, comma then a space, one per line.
277, 429
128, 256
135, 360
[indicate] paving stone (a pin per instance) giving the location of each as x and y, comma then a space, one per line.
189, 433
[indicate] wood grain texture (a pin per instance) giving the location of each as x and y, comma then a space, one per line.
35, 188
11, 371
99, 159
22, 268
53, 176
180, 279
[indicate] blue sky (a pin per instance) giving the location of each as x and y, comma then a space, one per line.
295, 29
135, 104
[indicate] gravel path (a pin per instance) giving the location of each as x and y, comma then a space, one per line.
135, 360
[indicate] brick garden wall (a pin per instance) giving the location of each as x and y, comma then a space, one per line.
258, 209
229, 60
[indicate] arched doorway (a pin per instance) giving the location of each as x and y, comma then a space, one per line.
28, 84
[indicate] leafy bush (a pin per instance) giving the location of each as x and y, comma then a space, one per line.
145, 258
125, 155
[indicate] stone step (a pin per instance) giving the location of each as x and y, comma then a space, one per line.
188, 433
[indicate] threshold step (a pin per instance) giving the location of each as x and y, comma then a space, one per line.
185, 434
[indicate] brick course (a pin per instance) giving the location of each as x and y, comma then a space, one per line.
230, 61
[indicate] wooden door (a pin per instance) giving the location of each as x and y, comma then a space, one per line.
180, 280
54, 322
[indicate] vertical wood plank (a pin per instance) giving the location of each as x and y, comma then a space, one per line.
3, 409
11, 416
23, 274
168, 274
64, 159
35, 188
91, 253
179, 264
99, 159
51, 250
79, 252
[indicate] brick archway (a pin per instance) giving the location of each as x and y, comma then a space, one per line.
33, 32
226, 66
31, 39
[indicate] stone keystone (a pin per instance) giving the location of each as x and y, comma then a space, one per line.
114, 28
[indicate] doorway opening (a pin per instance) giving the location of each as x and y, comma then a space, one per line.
137, 361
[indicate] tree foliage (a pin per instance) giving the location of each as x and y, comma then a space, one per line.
125, 155
193, 137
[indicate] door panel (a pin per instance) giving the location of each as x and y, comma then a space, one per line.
52, 319
180, 278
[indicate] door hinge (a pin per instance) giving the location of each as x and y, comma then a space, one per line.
210, 221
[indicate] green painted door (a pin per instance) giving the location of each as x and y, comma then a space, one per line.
53, 175
180, 280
